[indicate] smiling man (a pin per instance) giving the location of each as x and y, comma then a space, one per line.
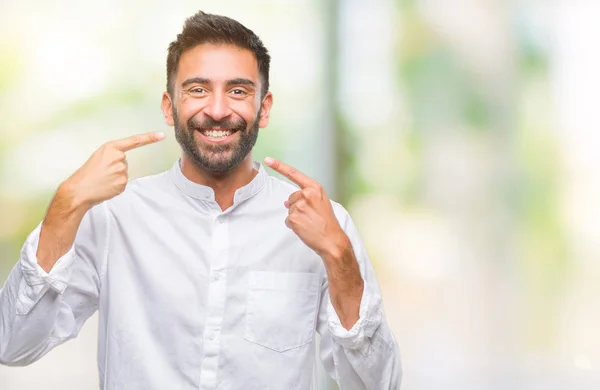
212, 275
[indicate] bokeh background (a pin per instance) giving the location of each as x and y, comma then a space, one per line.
460, 134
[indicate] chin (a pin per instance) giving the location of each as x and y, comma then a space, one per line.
217, 164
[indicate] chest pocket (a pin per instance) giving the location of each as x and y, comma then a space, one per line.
281, 309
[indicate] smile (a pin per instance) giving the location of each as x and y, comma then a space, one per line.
216, 135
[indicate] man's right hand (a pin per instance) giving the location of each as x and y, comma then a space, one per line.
102, 177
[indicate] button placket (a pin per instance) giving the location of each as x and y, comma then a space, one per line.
216, 302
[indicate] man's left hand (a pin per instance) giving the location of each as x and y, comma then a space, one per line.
310, 213
311, 217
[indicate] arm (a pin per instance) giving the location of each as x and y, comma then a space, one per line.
102, 177
366, 356
357, 347
312, 218
40, 310
346, 285
58, 230
55, 286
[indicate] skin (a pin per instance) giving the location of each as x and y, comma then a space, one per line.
214, 84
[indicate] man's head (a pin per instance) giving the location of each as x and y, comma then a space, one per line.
217, 91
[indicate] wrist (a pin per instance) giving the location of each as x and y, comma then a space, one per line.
336, 248
71, 200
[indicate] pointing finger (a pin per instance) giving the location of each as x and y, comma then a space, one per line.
291, 173
136, 141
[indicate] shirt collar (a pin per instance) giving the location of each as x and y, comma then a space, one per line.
203, 192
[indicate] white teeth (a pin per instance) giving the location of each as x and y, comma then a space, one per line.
217, 133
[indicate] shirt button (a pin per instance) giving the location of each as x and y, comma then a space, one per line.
216, 277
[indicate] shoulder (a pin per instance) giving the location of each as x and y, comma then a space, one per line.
341, 213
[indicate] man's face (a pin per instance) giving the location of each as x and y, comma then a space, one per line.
216, 107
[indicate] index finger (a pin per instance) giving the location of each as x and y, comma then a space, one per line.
135, 141
291, 173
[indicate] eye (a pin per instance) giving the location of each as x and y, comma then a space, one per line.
238, 92
197, 91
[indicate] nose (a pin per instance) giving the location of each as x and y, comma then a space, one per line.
218, 107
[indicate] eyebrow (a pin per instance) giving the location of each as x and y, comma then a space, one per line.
229, 83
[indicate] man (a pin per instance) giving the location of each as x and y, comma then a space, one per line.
212, 274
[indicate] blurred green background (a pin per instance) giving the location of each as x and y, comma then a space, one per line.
460, 134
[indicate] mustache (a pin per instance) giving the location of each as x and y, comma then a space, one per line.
210, 123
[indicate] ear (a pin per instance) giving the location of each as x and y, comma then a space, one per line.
266, 108
167, 108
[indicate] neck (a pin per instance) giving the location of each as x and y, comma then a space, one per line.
223, 184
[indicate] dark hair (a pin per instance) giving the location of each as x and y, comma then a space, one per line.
216, 29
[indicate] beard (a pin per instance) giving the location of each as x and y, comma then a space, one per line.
216, 158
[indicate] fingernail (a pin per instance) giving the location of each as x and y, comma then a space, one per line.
269, 160
160, 135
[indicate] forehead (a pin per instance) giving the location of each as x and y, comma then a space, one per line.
218, 63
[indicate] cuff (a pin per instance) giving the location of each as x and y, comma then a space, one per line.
38, 281
370, 317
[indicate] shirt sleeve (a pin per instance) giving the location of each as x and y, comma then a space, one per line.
41, 310
367, 355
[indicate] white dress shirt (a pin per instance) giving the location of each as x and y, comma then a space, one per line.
193, 297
